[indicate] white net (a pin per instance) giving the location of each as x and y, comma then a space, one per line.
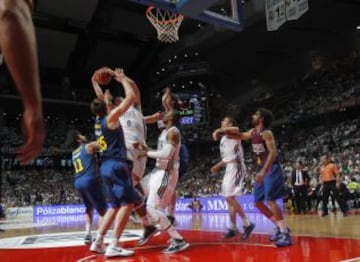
166, 24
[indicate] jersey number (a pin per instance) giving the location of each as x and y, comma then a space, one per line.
102, 143
78, 165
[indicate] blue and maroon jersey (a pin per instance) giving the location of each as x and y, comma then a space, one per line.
259, 148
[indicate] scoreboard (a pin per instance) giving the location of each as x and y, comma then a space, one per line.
193, 108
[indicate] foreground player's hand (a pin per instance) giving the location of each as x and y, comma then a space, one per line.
259, 177
34, 136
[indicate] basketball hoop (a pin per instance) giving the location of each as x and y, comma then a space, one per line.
166, 24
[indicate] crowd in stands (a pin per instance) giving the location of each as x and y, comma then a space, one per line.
46, 184
328, 86
320, 90
36, 186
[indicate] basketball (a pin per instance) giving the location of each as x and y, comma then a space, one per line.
102, 77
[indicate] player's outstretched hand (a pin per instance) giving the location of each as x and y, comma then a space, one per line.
34, 136
216, 134
119, 74
159, 116
140, 146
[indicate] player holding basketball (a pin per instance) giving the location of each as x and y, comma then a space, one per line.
87, 181
163, 178
114, 169
132, 123
18, 46
232, 157
269, 184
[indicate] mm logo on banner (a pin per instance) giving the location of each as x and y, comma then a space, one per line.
216, 205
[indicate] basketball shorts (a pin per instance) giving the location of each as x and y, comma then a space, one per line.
118, 183
272, 187
139, 164
161, 186
233, 180
90, 190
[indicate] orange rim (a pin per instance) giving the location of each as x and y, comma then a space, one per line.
165, 22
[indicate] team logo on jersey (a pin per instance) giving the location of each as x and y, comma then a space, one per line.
258, 148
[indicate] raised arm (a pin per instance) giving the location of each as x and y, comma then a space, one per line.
98, 91
135, 88
152, 119
232, 132
167, 100
108, 101
113, 117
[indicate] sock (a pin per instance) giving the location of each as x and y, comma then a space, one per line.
88, 229
246, 221
173, 233
114, 242
282, 226
99, 238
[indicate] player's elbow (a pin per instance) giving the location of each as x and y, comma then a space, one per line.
14, 12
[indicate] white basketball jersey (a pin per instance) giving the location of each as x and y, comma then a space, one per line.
132, 122
174, 160
231, 150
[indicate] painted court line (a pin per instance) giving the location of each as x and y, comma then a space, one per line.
355, 259
86, 258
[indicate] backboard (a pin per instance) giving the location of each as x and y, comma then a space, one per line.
223, 13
